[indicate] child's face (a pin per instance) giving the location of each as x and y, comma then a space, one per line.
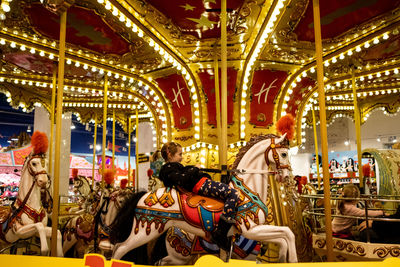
177, 157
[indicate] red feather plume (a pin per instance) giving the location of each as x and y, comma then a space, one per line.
285, 125
150, 172
366, 169
123, 183
39, 142
108, 175
74, 173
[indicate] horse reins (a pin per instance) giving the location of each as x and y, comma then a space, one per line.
22, 203
272, 147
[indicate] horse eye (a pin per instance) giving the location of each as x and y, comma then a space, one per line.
33, 163
284, 155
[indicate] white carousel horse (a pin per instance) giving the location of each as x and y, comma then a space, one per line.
158, 211
83, 189
81, 230
29, 216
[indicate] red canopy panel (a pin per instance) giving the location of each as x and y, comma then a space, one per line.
207, 80
198, 18
299, 92
174, 88
85, 28
384, 51
265, 87
338, 17
42, 65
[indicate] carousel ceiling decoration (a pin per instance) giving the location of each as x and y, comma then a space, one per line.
158, 57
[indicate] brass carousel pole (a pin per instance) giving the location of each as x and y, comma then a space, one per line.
129, 150
357, 121
323, 129
224, 111
94, 147
103, 156
316, 147
137, 152
60, 91
53, 103
113, 139
218, 105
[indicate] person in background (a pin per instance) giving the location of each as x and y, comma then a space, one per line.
341, 227
190, 178
382, 231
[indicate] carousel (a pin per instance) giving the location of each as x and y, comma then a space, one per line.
257, 93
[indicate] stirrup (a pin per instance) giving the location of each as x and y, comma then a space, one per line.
226, 255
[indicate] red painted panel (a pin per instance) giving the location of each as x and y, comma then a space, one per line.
84, 28
207, 80
177, 93
265, 87
340, 16
386, 50
196, 17
42, 65
300, 91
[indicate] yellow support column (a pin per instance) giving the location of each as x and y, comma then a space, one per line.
60, 91
53, 104
316, 147
323, 129
103, 156
113, 140
94, 147
129, 151
218, 106
357, 121
137, 152
224, 110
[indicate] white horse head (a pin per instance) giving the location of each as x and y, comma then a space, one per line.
33, 174
267, 154
82, 186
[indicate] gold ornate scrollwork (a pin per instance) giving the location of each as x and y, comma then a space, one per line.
320, 242
382, 252
349, 247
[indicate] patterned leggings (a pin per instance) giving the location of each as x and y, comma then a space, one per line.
222, 191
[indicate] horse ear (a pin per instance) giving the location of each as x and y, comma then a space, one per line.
280, 139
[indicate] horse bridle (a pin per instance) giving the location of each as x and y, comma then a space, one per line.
33, 173
21, 203
272, 147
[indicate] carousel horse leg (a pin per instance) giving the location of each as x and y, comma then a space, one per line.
32, 229
271, 233
68, 244
174, 258
134, 240
48, 231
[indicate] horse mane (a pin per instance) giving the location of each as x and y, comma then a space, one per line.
254, 140
122, 225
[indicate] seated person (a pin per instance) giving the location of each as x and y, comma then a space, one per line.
382, 231
341, 227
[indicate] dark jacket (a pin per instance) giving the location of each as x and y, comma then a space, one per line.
388, 232
175, 174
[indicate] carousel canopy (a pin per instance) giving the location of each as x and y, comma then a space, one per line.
159, 58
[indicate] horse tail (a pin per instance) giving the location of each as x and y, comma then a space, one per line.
122, 226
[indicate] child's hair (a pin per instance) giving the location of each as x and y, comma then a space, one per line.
155, 156
170, 147
350, 191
